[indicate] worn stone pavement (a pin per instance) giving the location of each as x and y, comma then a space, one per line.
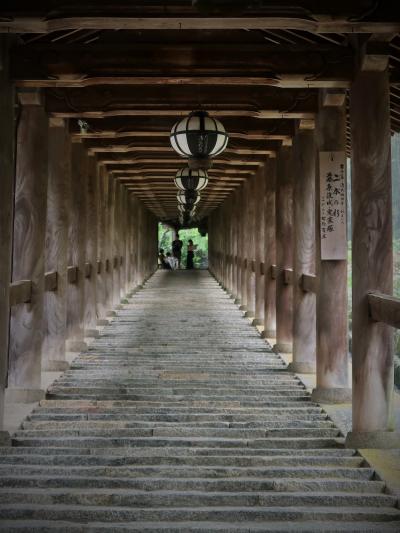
179, 417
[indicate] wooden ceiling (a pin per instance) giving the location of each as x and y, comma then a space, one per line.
132, 69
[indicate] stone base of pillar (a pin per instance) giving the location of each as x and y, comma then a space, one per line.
237, 301
55, 366
94, 333
301, 367
111, 313
249, 314
5, 438
333, 395
102, 322
268, 334
283, 347
373, 439
23, 395
257, 322
243, 308
76, 346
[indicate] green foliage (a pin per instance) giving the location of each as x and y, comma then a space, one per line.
165, 238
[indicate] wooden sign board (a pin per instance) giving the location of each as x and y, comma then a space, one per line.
332, 179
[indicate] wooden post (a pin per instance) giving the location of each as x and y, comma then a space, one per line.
109, 243
250, 247
90, 274
7, 147
76, 250
243, 248
304, 321
373, 379
235, 238
284, 250
101, 273
26, 321
331, 300
259, 231
270, 249
56, 253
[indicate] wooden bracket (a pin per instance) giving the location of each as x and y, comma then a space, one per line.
384, 308
107, 265
309, 283
287, 276
72, 274
88, 270
262, 269
253, 266
274, 271
116, 261
50, 281
20, 292
99, 265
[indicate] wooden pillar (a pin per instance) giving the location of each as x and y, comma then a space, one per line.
284, 251
101, 273
332, 347
56, 253
372, 260
250, 246
270, 249
26, 321
90, 273
7, 147
109, 244
243, 248
116, 244
259, 231
235, 238
304, 321
76, 250
239, 248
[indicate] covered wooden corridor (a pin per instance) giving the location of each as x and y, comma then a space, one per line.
89, 93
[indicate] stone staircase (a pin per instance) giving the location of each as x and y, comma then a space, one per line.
180, 418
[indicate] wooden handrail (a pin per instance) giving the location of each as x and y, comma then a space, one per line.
98, 265
262, 269
88, 270
50, 281
20, 292
274, 271
309, 283
384, 308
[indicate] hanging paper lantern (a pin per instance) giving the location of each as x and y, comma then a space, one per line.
188, 179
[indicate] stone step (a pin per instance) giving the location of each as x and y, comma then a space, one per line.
198, 484
189, 432
303, 526
102, 442
124, 498
210, 460
236, 514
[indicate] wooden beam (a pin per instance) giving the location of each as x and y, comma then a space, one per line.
384, 308
309, 283
32, 24
50, 281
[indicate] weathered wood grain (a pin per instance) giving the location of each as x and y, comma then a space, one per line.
101, 295
270, 249
372, 249
50, 281
76, 242
259, 244
7, 141
56, 253
309, 283
284, 249
304, 303
331, 300
26, 321
90, 281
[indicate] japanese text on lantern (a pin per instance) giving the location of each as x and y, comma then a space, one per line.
332, 166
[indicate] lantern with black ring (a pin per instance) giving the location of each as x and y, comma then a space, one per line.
200, 138
188, 179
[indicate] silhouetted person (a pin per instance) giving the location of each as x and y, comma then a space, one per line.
177, 249
190, 254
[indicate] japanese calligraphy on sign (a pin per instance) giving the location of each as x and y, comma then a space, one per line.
332, 167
